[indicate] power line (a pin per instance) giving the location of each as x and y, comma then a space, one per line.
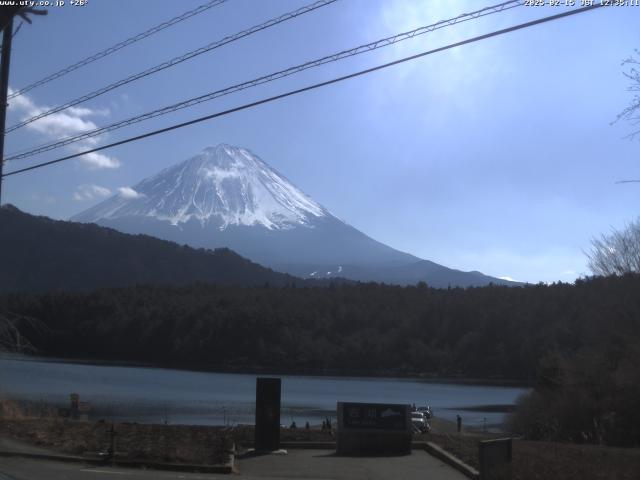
114, 48
269, 78
176, 60
311, 87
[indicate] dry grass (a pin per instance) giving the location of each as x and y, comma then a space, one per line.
39, 425
551, 461
206, 445
164, 443
12, 410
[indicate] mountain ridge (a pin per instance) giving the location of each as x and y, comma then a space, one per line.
78, 256
226, 196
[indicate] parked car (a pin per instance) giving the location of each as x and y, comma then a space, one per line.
426, 411
419, 422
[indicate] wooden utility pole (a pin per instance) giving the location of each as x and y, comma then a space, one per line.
4, 87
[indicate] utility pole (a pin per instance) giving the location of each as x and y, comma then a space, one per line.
4, 87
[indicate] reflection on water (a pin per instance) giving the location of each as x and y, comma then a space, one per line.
185, 397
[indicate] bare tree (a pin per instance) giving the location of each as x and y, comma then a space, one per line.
618, 252
632, 112
11, 328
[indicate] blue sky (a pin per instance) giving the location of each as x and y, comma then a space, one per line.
497, 156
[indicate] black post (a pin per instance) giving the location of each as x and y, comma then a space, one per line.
267, 434
4, 87
112, 441
74, 401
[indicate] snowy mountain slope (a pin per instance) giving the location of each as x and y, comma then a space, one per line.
223, 184
228, 197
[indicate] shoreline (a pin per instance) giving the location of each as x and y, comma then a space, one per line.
257, 370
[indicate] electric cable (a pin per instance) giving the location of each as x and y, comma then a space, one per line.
174, 61
268, 78
118, 46
311, 87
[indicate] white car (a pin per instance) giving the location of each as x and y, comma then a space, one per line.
420, 422
426, 410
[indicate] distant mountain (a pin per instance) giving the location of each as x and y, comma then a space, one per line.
40, 254
228, 197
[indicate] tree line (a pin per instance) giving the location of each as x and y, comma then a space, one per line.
492, 331
579, 344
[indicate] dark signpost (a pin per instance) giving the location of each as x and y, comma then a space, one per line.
267, 433
372, 428
74, 401
495, 459
83, 410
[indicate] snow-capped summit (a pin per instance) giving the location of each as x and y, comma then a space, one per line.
223, 185
228, 197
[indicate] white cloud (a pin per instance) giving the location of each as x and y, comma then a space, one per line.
65, 123
128, 192
90, 192
98, 160
83, 111
69, 122
21, 102
507, 278
61, 125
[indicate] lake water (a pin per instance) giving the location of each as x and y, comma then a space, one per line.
185, 397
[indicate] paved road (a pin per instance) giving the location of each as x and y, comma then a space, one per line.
27, 469
12, 445
297, 464
324, 464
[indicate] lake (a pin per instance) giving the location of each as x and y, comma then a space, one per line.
156, 395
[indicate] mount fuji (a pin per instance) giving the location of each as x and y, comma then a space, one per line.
228, 197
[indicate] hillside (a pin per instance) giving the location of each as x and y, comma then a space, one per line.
41, 254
